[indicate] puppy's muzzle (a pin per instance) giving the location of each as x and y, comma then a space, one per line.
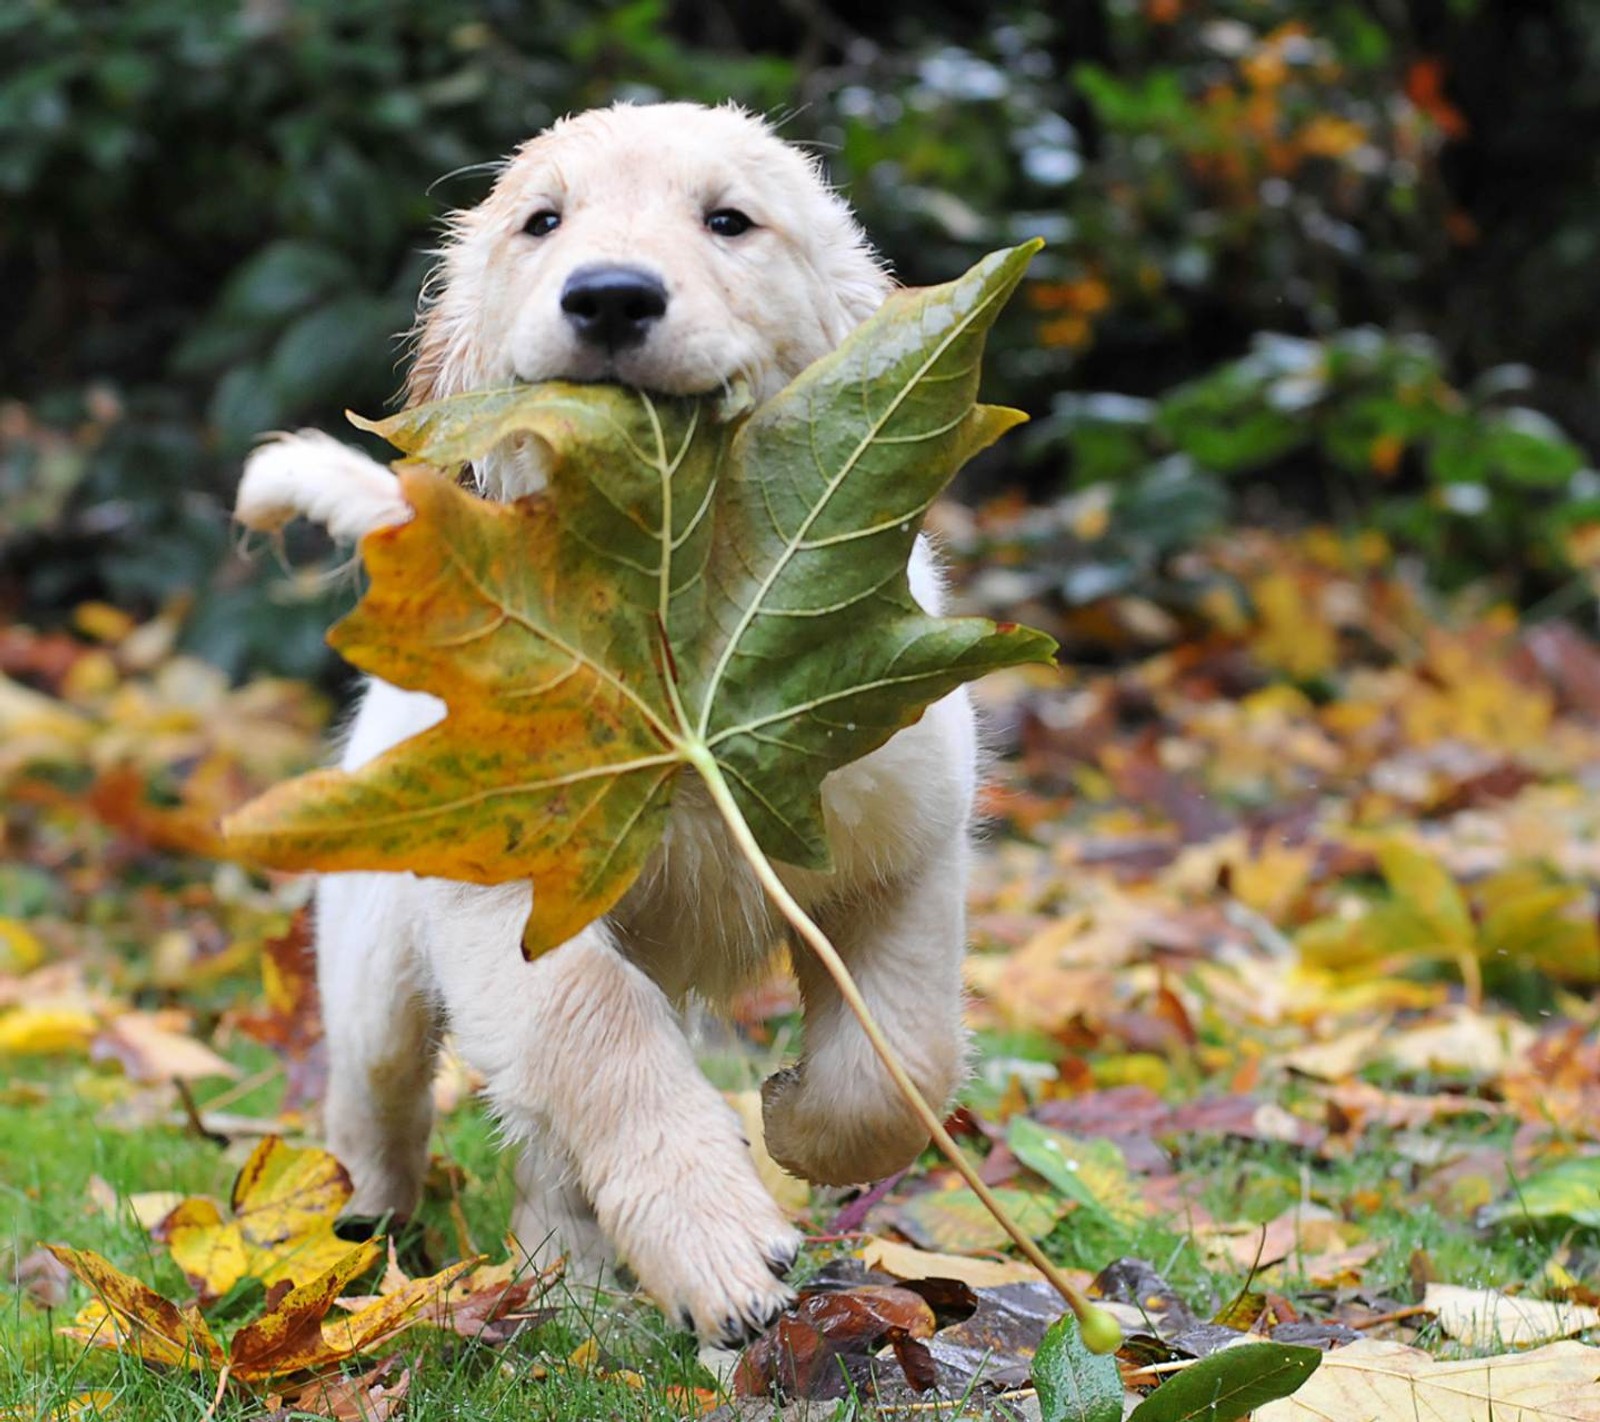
613, 306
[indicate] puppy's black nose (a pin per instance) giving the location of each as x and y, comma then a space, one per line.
613, 306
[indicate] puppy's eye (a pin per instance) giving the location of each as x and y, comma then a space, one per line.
542, 223
728, 222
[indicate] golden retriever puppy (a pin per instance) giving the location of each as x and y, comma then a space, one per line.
673, 248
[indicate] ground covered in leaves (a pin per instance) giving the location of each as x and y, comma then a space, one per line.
1285, 940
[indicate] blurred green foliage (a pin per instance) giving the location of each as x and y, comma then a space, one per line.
1344, 253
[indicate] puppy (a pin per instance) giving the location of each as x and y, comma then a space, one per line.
676, 249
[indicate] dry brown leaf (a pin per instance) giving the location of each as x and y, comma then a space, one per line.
151, 1047
1487, 1318
1464, 1040
1383, 1381
906, 1261
373, 1396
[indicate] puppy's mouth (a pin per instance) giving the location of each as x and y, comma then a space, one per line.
634, 370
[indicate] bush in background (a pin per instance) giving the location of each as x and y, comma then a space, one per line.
1338, 252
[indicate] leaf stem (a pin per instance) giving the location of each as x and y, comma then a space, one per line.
1100, 1331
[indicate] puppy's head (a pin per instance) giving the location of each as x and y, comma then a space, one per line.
669, 247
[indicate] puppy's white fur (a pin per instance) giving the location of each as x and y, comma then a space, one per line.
627, 1149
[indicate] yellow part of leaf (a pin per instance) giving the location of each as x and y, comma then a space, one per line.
283, 1208
20, 950
1373, 1380
45, 1031
131, 1317
956, 1220
289, 1337
1293, 636
94, 1402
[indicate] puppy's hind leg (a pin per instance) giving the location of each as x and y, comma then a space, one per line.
382, 1034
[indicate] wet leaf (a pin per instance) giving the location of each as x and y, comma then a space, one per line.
800, 1355
1075, 1385
735, 592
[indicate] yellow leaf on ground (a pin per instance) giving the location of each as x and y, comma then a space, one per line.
283, 1208
132, 1318
1487, 1318
45, 1031
1340, 1056
1373, 1380
20, 950
906, 1261
93, 1402
1294, 635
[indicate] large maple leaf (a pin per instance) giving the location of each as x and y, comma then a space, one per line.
724, 594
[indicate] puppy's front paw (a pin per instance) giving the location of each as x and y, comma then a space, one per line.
713, 1256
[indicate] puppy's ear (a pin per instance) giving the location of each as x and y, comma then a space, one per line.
854, 277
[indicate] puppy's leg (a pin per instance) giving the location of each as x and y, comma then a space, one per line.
553, 1218
382, 1037
582, 1050
837, 1118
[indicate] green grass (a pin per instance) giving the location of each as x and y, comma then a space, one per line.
51, 1149
52, 1144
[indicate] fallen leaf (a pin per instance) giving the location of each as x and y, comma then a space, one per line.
956, 1221
130, 1317
284, 1203
1570, 1189
1380, 1380
906, 1261
799, 1356
1230, 1383
1487, 1318
1075, 1385
149, 1048
373, 1396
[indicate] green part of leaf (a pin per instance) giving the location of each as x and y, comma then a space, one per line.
1568, 1190
956, 1221
1426, 887
1092, 1172
1075, 1385
1229, 1384
687, 591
